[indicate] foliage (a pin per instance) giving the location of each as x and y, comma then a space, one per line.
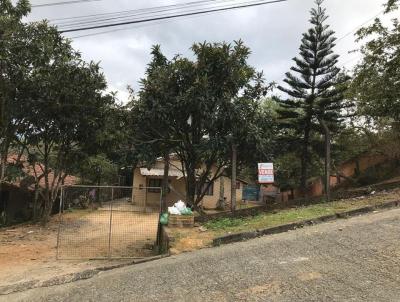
97, 169
224, 223
53, 103
13, 68
66, 108
316, 95
286, 216
392, 5
200, 108
287, 170
153, 112
376, 83
116, 138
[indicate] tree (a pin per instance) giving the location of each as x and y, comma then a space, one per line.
154, 115
376, 82
317, 94
392, 5
65, 108
97, 169
202, 107
13, 66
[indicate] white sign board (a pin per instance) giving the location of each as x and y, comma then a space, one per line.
266, 173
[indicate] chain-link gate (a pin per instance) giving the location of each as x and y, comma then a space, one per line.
103, 222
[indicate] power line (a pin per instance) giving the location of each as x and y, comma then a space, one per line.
149, 24
146, 12
130, 27
129, 11
154, 14
359, 26
124, 29
171, 16
352, 31
62, 3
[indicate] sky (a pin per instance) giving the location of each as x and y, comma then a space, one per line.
273, 33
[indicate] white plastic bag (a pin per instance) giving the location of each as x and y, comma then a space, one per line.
173, 211
180, 205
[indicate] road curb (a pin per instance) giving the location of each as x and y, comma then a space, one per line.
243, 236
68, 278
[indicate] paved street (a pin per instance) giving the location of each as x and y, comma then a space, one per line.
348, 260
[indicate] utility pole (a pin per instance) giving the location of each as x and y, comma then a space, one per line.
233, 178
164, 190
328, 166
327, 159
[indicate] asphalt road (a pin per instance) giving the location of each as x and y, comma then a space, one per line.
348, 260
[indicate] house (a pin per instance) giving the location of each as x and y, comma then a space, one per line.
147, 183
16, 203
17, 196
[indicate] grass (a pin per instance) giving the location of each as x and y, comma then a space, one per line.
192, 239
268, 219
265, 220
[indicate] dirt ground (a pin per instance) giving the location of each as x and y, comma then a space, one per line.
28, 252
85, 234
188, 240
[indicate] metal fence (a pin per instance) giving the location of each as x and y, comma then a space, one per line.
103, 222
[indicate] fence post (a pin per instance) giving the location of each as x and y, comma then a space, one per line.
112, 193
59, 220
110, 230
145, 201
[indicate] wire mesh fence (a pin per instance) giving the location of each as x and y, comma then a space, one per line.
100, 222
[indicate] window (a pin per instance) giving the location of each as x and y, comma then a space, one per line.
154, 185
237, 185
210, 190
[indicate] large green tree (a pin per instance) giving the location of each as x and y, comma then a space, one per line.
203, 106
315, 90
376, 83
154, 115
62, 113
14, 66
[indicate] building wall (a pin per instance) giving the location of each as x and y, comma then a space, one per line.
347, 169
363, 162
142, 197
17, 203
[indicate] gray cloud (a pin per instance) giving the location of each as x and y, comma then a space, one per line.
273, 33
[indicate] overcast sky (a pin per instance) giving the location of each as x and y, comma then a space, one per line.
273, 32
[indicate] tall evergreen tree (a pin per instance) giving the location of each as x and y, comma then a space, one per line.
316, 90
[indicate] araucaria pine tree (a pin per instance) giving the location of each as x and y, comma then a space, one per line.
316, 91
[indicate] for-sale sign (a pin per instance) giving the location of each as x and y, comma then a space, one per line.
266, 173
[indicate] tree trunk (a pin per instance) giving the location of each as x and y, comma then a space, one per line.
3, 165
233, 178
221, 201
48, 205
36, 204
164, 190
305, 161
190, 186
4, 147
327, 160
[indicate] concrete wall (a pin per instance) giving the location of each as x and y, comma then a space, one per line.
142, 197
210, 202
348, 169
